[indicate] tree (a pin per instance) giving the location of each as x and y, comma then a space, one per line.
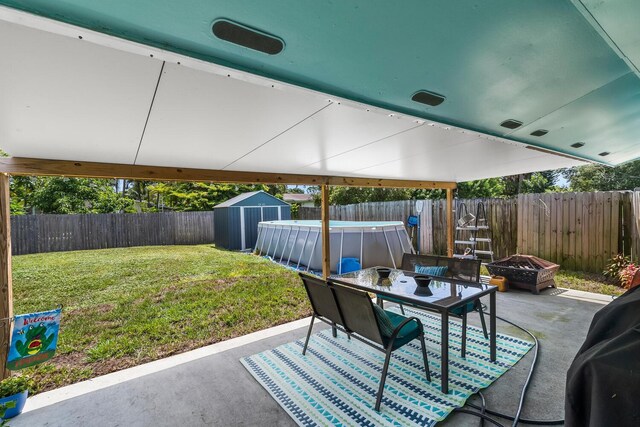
351, 195
62, 195
604, 178
295, 190
536, 182
20, 190
202, 196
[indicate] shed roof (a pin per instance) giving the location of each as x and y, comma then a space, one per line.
134, 83
244, 197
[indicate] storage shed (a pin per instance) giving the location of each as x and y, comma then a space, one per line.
236, 220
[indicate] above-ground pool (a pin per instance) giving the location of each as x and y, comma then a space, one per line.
299, 243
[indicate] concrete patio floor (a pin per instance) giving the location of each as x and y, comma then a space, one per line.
209, 386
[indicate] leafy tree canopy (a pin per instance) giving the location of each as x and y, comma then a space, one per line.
71, 195
349, 195
202, 196
538, 182
604, 178
295, 190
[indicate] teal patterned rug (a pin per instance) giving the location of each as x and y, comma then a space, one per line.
336, 382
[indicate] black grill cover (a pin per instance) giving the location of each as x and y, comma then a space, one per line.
603, 382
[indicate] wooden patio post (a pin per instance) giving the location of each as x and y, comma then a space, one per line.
326, 251
449, 222
6, 292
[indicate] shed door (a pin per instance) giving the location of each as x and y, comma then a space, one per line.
270, 213
251, 220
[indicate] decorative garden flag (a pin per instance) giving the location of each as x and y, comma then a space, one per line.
34, 338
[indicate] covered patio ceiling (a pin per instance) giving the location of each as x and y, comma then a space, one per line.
132, 83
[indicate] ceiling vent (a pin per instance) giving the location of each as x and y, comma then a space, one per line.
428, 98
539, 132
511, 124
578, 145
604, 153
247, 37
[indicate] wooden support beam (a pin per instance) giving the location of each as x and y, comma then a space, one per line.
6, 291
449, 222
326, 237
39, 167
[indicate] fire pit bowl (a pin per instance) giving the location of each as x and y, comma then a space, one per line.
525, 271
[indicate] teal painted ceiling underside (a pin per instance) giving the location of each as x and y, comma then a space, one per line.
537, 61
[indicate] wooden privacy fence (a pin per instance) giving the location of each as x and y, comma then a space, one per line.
52, 233
579, 231
433, 220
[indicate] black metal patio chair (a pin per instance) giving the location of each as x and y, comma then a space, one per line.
353, 312
323, 303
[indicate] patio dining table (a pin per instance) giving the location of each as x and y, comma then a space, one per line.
442, 296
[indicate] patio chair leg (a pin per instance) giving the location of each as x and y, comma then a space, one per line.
424, 357
463, 344
306, 342
484, 325
383, 378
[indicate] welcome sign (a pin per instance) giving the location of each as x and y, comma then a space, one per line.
34, 338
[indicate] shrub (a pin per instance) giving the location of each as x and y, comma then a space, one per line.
615, 266
626, 275
14, 385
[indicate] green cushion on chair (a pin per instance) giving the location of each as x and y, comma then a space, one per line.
408, 333
431, 270
389, 321
384, 321
458, 310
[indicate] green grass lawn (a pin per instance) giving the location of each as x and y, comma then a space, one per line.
127, 306
590, 282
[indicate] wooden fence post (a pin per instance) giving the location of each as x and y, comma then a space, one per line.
6, 292
449, 222
326, 238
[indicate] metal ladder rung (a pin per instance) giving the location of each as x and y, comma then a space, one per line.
481, 239
464, 242
484, 252
471, 228
464, 256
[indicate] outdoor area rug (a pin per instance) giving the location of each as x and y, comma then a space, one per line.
336, 382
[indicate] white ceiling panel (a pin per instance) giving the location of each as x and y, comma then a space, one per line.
65, 98
416, 141
480, 158
208, 121
331, 132
490, 158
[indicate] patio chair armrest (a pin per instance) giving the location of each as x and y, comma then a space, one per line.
398, 328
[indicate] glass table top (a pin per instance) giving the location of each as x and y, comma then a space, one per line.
440, 292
